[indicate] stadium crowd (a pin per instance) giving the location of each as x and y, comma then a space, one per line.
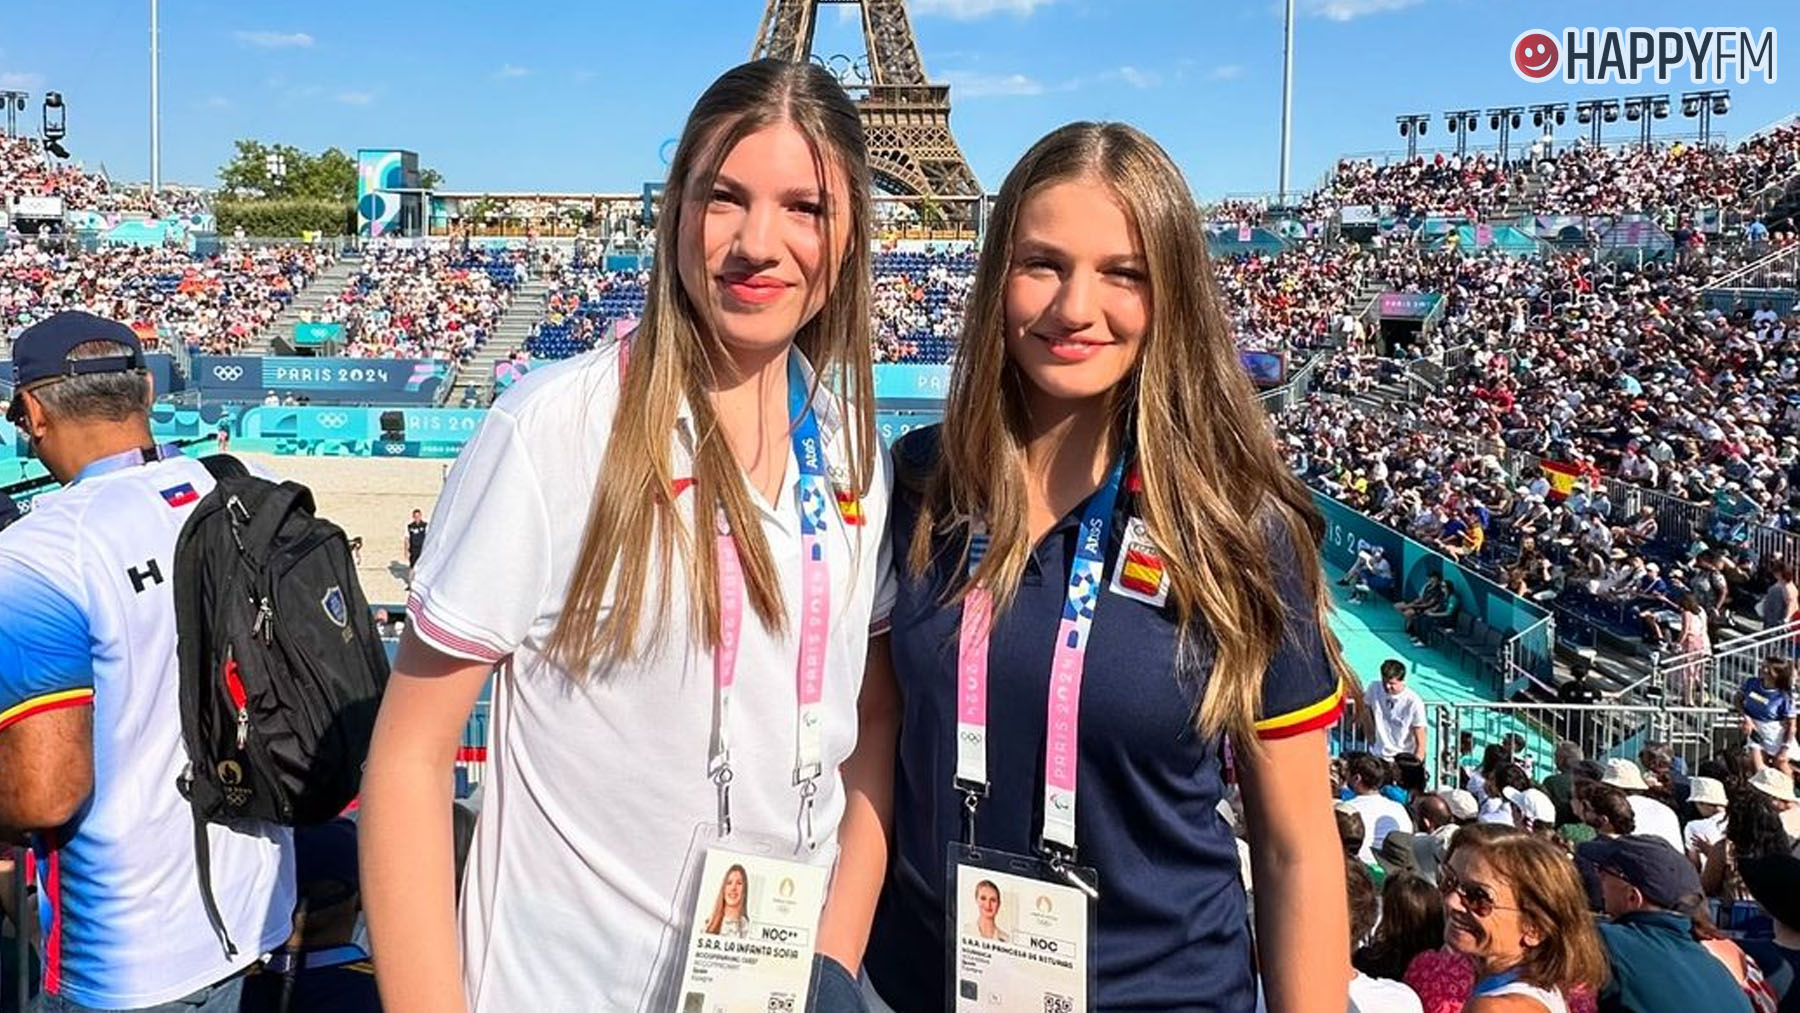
440, 303
212, 305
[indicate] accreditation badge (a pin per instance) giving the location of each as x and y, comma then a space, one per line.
1020, 932
755, 927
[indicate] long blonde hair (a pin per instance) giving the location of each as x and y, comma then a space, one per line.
1215, 493
634, 530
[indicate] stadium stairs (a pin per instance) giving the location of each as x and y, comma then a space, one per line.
527, 308
327, 286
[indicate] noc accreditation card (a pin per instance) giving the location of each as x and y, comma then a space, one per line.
756, 924
1021, 935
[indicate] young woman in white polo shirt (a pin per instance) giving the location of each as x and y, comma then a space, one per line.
670, 546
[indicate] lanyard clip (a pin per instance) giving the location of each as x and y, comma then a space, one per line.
722, 780
809, 789
971, 797
1062, 862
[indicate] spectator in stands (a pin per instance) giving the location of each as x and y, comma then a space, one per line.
1381, 815
1656, 963
1394, 715
1372, 991
1089, 306
1781, 602
1775, 884
1607, 810
1779, 787
1439, 817
1514, 904
1420, 624
1707, 796
1653, 818
1767, 703
416, 530
1430, 596
1411, 922
559, 510
1560, 786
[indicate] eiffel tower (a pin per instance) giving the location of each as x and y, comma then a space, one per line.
906, 118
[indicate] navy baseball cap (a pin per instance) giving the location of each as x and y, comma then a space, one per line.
41, 351
1663, 875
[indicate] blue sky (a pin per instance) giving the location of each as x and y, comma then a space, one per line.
573, 96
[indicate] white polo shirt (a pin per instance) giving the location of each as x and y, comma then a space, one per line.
87, 617
595, 790
1395, 718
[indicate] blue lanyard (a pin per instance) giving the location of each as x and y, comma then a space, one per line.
120, 461
1495, 982
809, 450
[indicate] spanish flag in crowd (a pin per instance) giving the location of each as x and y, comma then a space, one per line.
1563, 477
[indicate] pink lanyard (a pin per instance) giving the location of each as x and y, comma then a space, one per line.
814, 629
1067, 665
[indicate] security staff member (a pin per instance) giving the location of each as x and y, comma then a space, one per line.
90, 728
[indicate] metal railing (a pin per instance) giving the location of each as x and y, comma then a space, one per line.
1752, 275
1603, 731
1529, 656
1720, 671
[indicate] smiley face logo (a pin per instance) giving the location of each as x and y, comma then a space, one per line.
1534, 54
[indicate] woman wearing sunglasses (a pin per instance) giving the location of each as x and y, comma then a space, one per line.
1516, 907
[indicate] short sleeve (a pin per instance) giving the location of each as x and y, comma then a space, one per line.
1301, 692
481, 578
46, 655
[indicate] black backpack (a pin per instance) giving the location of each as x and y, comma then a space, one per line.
281, 667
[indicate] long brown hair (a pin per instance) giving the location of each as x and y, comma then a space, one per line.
717, 921
1218, 500
634, 529
1552, 900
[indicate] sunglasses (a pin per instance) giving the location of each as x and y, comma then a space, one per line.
1476, 898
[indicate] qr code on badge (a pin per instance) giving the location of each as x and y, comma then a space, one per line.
781, 1002
1054, 1003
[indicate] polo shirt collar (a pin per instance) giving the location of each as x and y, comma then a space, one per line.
826, 405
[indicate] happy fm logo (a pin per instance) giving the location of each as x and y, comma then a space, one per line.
1644, 55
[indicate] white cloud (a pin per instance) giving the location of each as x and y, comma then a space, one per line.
969, 10
1137, 78
1226, 72
355, 98
274, 40
509, 71
21, 79
1348, 10
968, 84
215, 102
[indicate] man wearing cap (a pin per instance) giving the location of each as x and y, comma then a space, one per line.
1653, 817
1657, 966
90, 733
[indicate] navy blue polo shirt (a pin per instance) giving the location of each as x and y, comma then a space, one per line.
1172, 928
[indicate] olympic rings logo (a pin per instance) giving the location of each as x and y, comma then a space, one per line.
334, 420
229, 374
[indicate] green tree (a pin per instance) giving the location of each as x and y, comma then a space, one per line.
329, 175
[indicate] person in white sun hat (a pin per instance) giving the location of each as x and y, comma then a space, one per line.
1707, 795
1653, 817
1780, 787
1532, 809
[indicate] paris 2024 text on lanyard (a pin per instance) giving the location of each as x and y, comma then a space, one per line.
1022, 923
757, 901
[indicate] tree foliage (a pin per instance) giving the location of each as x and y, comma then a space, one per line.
329, 175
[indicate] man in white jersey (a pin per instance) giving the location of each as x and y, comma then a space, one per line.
90, 724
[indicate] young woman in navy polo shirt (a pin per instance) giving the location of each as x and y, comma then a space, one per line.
1104, 486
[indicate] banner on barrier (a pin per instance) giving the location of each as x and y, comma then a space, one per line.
379, 381
1408, 305
911, 382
